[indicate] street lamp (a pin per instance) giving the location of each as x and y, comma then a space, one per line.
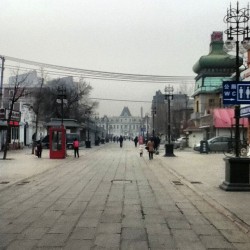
237, 25
1, 86
153, 116
169, 148
61, 98
237, 169
147, 125
88, 142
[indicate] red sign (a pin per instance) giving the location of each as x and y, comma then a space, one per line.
14, 123
140, 140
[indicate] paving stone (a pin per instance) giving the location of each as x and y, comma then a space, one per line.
78, 245
161, 241
178, 224
216, 241
220, 221
132, 222
108, 240
134, 244
109, 228
201, 229
34, 233
129, 233
87, 222
158, 229
22, 244
242, 246
236, 236
53, 240
154, 219
85, 233
5, 239
111, 218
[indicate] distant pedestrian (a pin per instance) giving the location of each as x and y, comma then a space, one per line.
150, 146
76, 147
141, 150
121, 141
39, 149
136, 141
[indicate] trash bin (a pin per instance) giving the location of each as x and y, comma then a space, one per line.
203, 147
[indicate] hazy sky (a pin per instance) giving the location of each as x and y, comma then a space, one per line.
152, 37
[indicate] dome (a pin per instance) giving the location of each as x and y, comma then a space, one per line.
216, 59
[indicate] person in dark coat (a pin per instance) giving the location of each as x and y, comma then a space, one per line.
121, 141
39, 149
136, 141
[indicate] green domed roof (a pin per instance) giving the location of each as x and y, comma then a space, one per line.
217, 58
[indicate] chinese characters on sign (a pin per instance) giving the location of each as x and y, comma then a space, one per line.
236, 93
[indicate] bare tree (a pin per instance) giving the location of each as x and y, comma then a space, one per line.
19, 83
77, 95
37, 106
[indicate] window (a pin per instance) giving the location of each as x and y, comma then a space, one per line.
211, 102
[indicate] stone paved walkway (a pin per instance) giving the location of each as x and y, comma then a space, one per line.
110, 198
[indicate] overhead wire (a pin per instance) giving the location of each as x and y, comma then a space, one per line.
101, 75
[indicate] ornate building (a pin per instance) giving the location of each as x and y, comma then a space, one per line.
209, 112
125, 124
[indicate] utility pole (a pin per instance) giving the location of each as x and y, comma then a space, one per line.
1, 86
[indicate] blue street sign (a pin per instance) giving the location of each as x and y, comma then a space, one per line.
236, 92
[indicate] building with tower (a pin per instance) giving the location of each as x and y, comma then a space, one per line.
210, 118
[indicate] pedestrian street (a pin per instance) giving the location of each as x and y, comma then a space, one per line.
111, 198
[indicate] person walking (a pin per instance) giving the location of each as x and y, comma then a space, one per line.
121, 141
39, 149
150, 146
76, 147
136, 141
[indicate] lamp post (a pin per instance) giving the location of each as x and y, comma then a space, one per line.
1, 86
96, 132
88, 142
237, 169
153, 116
147, 125
61, 98
169, 147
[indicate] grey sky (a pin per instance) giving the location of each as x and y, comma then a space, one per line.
152, 37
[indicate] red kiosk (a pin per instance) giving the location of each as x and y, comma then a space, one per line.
57, 142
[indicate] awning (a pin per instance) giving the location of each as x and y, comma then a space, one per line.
224, 118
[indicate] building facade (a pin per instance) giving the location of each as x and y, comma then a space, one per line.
125, 124
212, 70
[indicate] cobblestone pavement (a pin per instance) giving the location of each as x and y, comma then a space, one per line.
111, 198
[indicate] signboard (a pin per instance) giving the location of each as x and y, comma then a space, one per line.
245, 111
4, 114
235, 93
140, 140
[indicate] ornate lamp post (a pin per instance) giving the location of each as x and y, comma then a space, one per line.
237, 169
169, 148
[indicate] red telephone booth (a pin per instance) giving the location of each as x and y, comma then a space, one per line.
57, 142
